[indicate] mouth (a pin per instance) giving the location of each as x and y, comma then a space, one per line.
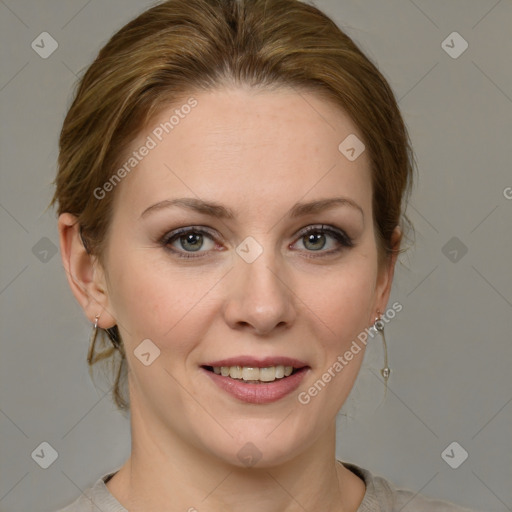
254, 374
257, 381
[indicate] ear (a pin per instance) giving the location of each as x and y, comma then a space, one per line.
85, 275
385, 276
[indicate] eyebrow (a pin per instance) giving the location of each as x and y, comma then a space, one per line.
219, 211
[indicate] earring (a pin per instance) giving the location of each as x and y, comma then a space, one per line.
112, 334
92, 339
379, 326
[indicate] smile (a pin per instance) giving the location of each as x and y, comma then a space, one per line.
257, 381
254, 374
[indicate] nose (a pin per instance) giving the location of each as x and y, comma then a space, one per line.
259, 298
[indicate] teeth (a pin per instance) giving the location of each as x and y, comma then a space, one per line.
250, 374
235, 372
268, 374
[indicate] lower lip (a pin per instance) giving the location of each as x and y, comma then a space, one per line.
263, 393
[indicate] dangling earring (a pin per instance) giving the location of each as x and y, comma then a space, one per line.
379, 326
92, 339
112, 334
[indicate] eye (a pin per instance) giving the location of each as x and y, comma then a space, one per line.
184, 242
316, 238
188, 240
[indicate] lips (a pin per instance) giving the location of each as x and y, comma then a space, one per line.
256, 380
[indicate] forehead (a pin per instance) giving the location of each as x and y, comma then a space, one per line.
247, 146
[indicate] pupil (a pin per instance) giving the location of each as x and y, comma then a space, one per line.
315, 238
193, 239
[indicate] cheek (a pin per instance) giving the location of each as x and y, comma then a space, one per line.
343, 301
151, 299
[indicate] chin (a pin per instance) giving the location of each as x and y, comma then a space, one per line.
261, 444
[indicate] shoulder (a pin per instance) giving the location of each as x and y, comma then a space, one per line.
382, 496
97, 497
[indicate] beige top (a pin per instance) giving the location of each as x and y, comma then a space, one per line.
380, 496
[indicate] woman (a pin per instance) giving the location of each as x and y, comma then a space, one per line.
230, 191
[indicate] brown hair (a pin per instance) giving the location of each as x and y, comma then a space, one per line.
182, 46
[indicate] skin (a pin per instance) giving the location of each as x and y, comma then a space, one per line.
257, 153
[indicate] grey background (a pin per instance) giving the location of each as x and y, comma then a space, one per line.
449, 348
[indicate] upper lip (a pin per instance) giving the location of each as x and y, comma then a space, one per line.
255, 362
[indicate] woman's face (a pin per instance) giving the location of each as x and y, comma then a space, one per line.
246, 284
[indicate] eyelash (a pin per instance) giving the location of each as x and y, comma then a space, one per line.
340, 236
